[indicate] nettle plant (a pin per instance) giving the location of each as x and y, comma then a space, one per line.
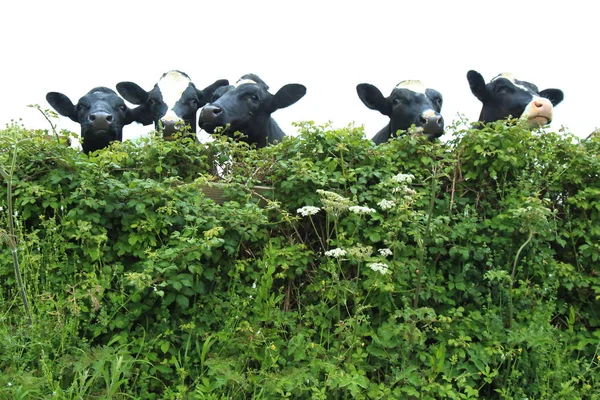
411, 269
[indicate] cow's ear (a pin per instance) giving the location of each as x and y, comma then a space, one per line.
477, 84
436, 97
205, 95
132, 92
287, 95
554, 95
62, 104
141, 114
373, 98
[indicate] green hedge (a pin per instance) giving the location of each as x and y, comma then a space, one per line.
410, 270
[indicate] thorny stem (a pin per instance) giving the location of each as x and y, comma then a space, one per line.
425, 239
512, 277
37, 106
10, 237
317, 233
453, 190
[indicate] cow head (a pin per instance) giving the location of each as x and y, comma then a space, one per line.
173, 99
101, 113
247, 107
506, 96
410, 103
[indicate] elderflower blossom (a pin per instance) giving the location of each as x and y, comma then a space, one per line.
386, 204
403, 178
408, 192
308, 210
335, 253
360, 210
379, 267
333, 202
360, 252
385, 252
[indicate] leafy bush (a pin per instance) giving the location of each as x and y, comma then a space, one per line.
410, 270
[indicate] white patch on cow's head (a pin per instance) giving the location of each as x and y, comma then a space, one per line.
505, 75
244, 82
412, 85
429, 113
171, 86
170, 116
510, 77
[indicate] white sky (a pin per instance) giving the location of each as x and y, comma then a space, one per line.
329, 46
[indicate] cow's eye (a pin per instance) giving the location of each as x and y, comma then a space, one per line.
81, 107
123, 108
152, 102
396, 101
254, 97
193, 101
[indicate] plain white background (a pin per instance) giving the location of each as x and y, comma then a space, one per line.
330, 47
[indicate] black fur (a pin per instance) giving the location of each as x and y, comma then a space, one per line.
101, 113
501, 98
247, 108
405, 108
153, 108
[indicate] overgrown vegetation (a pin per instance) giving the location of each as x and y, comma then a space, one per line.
410, 270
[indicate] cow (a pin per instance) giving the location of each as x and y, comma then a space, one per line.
173, 100
410, 103
101, 113
246, 107
504, 96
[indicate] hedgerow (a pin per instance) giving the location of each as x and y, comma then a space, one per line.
410, 270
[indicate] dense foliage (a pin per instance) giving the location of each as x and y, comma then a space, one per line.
410, 270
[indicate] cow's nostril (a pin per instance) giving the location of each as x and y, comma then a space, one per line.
438, 120
217, 110
109, 118
92, 117
423, 119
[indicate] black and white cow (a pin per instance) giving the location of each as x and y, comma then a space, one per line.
410, 103
101, 113
174, 99
246, 107
506, 96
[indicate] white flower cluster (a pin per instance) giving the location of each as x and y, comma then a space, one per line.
403, 178
360, 210
335, 253
360, 252
379, 267
386, 204
333, 202
308, 210
408, 192
385, 252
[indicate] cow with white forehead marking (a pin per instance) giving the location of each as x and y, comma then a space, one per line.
246, 107
506, 96
101, 113
174, 99
410, 103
